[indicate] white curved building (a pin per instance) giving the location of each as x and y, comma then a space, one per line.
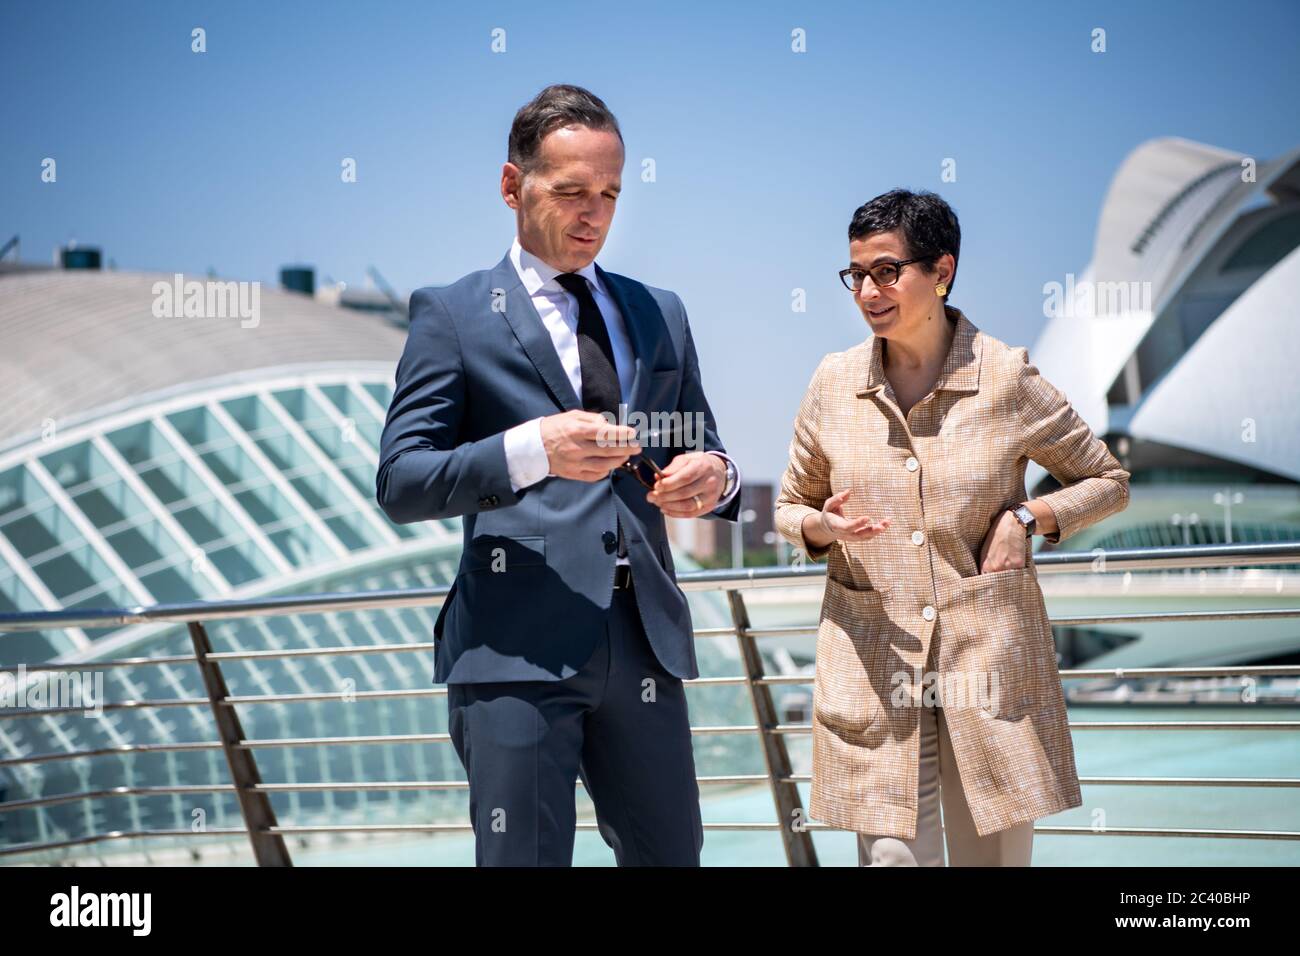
1180, 345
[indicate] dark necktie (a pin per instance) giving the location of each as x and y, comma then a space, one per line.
600, 386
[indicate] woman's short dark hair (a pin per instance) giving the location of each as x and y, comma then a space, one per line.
928, 224
555, 107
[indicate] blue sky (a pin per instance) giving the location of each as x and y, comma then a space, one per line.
176, 161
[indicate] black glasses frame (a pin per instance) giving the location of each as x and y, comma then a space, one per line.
896, 264
655, 438
633, 467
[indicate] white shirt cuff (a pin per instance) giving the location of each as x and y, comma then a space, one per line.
526, 459
734, 491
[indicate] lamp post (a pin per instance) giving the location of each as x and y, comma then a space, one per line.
738, 537
1226, 499
1186, 522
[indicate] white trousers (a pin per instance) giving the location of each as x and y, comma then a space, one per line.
938, 781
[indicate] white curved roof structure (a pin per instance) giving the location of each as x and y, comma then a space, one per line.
148, 460
1166, 339
78, 342
1234, 394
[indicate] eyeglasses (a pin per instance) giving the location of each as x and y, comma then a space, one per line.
882, 274
641, 466
637, 467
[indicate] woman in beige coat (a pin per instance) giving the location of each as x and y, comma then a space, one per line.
936, 670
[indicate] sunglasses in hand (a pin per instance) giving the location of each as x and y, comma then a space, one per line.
641, 466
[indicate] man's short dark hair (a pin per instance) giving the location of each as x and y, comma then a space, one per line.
928, 224
556, 107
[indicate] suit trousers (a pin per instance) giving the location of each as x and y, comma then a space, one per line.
620, 724
938, 781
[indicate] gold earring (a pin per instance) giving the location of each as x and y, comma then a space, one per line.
941, 289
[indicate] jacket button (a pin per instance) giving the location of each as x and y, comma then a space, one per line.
912, 464
927, 612
494, 501
609, 539
918, 537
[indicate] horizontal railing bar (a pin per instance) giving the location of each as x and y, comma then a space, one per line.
203, 611
1192, 556
745, 827
1123, 725
1123, 673
268, 743
382, 786
341, 650
162, 702
118, 751
1178, 617
1281, 670
1055, 562
1169, 832
117, 835
370, 786
722, 730
351, 787
59, 799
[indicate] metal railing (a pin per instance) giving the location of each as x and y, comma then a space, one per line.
266, 834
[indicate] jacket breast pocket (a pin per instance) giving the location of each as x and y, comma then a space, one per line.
851, 672
665, 388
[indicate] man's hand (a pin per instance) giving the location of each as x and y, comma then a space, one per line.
1004, 545
690, 486
585, 446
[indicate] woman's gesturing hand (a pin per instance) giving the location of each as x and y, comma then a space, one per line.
1004, 545
831, 525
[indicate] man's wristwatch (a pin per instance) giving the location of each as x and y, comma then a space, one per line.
1026, 518
731, 478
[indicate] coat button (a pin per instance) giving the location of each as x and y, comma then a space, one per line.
609, 539
912, 464
918, 537
927, 612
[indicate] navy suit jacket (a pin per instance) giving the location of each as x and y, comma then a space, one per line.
536, 575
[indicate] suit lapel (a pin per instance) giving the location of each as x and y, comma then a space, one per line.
522, 316
644, 325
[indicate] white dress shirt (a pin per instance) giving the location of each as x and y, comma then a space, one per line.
526, 457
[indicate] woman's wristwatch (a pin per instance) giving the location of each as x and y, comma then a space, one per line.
1026, 518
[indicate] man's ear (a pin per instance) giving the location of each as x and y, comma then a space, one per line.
512, 185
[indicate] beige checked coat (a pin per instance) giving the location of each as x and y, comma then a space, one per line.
910, 601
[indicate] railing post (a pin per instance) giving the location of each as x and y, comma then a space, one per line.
259, 817
799, 849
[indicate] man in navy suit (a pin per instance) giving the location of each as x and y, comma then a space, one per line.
565, 639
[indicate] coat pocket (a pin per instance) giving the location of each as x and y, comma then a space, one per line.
998, 631
849, 678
